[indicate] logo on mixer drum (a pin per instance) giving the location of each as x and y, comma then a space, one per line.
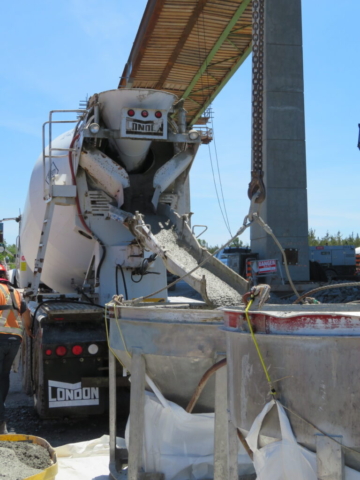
63, 394
139, 127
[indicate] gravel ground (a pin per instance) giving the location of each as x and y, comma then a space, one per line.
334, 295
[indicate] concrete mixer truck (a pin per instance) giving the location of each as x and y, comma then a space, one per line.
130, 152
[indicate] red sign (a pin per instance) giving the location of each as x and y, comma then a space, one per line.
267, 266
319, 248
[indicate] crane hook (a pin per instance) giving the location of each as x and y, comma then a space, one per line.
257, 185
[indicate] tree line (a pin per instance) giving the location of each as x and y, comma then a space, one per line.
314, 240
337, 239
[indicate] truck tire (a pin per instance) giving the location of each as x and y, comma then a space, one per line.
26, 365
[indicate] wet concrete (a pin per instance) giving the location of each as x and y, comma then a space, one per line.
218, 292
11, 468
19, 460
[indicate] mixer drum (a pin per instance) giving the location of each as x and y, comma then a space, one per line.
68, 251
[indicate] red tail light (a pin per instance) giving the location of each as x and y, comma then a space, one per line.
61, 351
158, 114
77, 350
48, 352
131, 113
144, 113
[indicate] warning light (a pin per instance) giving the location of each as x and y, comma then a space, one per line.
77, 350
131, 112
48, 352
61, 351
158, 114
144, 113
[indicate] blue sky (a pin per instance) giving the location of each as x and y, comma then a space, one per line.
56, 53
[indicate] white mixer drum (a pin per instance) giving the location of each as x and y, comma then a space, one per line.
68, 252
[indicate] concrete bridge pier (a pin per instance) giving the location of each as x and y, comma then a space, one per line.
284, 157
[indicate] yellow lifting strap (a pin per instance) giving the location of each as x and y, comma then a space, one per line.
272, 389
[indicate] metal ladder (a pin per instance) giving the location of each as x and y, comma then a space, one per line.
53, 194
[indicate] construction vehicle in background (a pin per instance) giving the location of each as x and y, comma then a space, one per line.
99, 197
327, 262
357, 259
337, 261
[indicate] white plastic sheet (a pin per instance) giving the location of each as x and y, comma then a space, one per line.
180, 444
284, 459
85, 460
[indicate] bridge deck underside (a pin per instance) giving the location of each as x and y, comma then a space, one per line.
190, 48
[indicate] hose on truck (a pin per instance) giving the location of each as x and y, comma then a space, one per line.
118, 266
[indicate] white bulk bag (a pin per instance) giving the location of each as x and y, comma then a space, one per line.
284, 459
180, 444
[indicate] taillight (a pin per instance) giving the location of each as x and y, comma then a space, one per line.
144, 113
77, 350
131, 112
158, 114
93, 349
48, 352
61, 351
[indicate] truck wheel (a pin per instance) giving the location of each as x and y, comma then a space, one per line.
331, 275
26, 365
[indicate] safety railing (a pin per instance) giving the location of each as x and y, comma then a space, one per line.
206, 134
47, 158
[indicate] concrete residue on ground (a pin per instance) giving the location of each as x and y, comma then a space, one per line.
19, 460
219, 293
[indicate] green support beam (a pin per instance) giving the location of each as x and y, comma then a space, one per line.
233, 44
216, 47
222, 84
